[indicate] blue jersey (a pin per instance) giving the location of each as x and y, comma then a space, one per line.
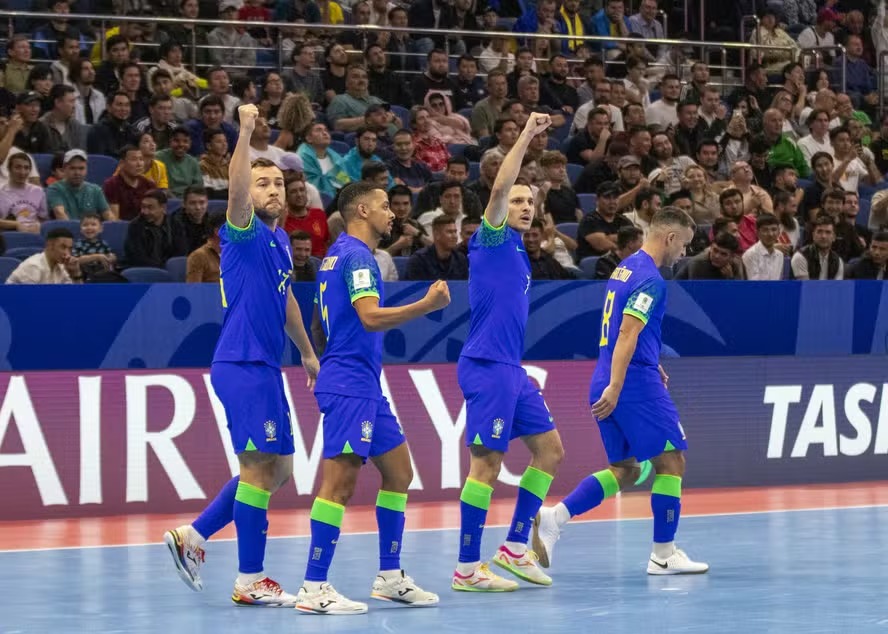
499, 279
635, 288
255, 279
352, 361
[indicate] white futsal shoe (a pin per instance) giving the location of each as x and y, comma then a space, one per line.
545, 533
523, 566
401, 588
187, 557
326, 600
482, 579
678, 563
263, 593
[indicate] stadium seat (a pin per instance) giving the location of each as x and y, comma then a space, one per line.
177, 267
403, 114
340, 147
568, 228
7, 266
401, 265
114, 233
787, 268
22, 253
100, 168
44, 165
17, 239
474, 171
466, 112
349, 138
864, 213
147, 275
174, 205
587, 266
326, 199
553, 144
217, 207
573, 172
456, 149
71, 225
588, 202
562, 132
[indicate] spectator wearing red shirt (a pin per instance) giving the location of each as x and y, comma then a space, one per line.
301, 218
253, 11
427, 147
126, 189
731, 202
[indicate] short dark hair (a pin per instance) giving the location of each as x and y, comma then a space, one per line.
157, 194
157, 97
471, 220
833, 194
781, 198
371, 169
823, 220
300, 235
211, 100
402, 132
126, 149
730, 192
400, 190
180, 130
766, 220
351, 196
536, 223
878, 236
58, 91
458, 160
442, 220
842, 129
672, 217
684, 104
450, 185
91, 216
59, 232
720, 224
194, 190
681, 194
726, 241
819, 155
20, 156
208, 135
645, 195
114, 40
216, 221
627, 235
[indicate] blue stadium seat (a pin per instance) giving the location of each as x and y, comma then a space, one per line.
350, 138
114, 233
474, 171
7, 266
456, 149
587, 266
401, 265
22, 253
466, 112
147, 275
340, 147
71, 225
588, 202
553, 144
217, 207
403, 114
100, 168
176, 267
864, 214
562, 132
573, 172
803, 183
787, 269
17, 239
326, 199
44, 165
568, 228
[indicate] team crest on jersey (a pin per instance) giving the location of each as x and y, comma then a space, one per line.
270, 431
498, 424
366, 431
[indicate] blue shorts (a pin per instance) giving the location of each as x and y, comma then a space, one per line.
361, 426
501, 403
255, 406
641, 430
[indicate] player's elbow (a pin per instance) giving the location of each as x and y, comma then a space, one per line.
371, 321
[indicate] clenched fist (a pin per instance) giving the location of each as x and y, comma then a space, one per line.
438, 296
247, 115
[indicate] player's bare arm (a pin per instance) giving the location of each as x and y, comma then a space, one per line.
375, 318
627, 340
296, 331
498, 208
240, 205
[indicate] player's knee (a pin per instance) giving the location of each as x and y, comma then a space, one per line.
670, 463
486, 465
400, 481
626, 475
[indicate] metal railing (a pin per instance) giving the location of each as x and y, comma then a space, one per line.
105, 21
818, 57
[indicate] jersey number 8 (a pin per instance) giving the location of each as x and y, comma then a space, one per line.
606, 317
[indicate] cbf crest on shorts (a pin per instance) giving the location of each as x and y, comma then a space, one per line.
366, 431
270, 431
498, 424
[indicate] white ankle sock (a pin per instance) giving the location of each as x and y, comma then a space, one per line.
245, 580
312, 586
466, 569
192, 537
664, 550
389, 575
562, 515
516, 548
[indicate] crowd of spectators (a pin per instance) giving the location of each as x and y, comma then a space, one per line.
781, 163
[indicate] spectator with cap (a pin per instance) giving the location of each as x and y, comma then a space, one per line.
821, 33
629, 240
73, 197
630, 181
715, 263
597, 231
33, 135
151, 239
126, 189
66, 133
53, 265
231, 45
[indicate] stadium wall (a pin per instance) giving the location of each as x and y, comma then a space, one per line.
105, 327
113, 442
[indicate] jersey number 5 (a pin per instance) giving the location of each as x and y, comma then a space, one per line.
606, 318
322, 307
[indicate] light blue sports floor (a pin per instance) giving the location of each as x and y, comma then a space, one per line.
820, 571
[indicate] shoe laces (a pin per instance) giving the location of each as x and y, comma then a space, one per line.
530, 554
199, 553
269, 585
484, 569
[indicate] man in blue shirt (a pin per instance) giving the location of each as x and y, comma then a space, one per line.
501, 402
260, 311
358, 421
636, 417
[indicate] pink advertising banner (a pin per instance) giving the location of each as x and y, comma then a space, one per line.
118, 442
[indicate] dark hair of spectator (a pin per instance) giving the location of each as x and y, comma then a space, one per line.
446, 185
730, 192
299, 235
90, 216
878, 236
681, 194
400, 190
628, 235
766, 220
726, 241
372, 169
458, 160
19, 156
823, 220
59, 232
157, 194
442, 221
644, 196
194, 190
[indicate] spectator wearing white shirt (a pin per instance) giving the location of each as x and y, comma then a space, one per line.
91, 102
818, 261
386, 264
763, 261
852, 163
663, 112
821, 34
53, 265
818, 140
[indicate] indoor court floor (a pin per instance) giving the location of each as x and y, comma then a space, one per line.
783, 560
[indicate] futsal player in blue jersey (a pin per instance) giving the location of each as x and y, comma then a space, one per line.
636, 417
260, 312
501, 402
358, 422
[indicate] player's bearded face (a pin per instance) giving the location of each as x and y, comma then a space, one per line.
268, 193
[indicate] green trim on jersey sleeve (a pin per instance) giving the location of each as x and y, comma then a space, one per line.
240, 234
490, 236
360, 273
640, 316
